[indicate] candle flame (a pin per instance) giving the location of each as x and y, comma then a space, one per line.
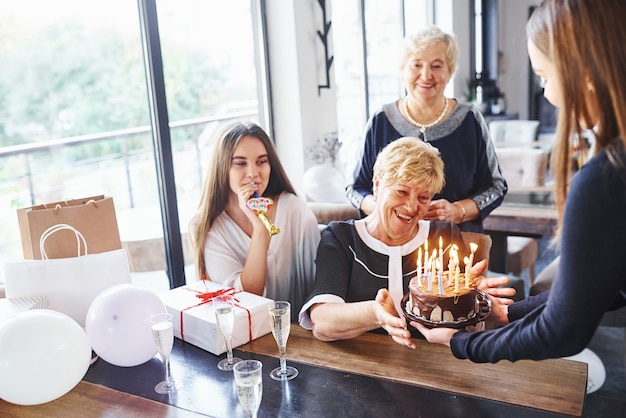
473, 247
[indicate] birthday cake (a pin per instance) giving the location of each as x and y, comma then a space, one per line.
445, 303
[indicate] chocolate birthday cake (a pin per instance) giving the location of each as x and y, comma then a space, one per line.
442, 303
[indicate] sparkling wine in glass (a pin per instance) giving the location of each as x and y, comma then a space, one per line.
249, 381
163, 337
225, 317
280, 322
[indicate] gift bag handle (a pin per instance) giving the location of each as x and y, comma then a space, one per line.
56, 228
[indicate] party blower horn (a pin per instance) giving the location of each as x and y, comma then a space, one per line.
261, 205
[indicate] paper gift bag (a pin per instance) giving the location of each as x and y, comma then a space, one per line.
194, 315
93, 216
69, 284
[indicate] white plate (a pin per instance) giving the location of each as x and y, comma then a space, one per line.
596, 374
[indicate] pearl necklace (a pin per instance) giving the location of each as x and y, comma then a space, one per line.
423, 126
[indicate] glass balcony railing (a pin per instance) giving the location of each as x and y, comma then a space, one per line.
118, 163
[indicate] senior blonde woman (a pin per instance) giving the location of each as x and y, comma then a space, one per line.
474, 184
363, 266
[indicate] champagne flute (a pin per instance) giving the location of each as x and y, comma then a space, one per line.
163, 337
249, 381
280, 321
225, 317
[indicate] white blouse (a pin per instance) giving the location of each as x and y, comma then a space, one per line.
290, 257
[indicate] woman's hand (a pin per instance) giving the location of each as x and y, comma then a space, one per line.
387, 316
500, 296
442, 210
245, 193
435, 335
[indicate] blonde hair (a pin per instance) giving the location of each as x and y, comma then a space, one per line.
427, 38
410, 160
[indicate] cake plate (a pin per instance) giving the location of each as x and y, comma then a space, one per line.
482, 299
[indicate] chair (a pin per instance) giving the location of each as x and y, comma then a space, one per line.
482, 253
522, 167
503, 131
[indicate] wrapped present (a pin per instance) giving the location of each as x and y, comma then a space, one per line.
13, 306
194, 315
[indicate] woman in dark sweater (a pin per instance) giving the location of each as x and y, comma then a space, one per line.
577, 48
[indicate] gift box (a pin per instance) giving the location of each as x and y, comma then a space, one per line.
13, 306
194, 316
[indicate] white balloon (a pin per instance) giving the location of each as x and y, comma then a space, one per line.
118, 324
324, 183
43, 355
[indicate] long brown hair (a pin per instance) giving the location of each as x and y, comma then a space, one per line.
216, 189
585, 40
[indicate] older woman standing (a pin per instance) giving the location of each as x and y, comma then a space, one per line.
364, 266
474, 185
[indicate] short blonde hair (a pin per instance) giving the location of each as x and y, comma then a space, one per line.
427, 38
410, 160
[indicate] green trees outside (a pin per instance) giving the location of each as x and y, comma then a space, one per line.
74, 68
63, 82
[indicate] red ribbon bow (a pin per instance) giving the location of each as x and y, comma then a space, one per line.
208, 296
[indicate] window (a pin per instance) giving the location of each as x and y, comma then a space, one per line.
366, 38
76, 112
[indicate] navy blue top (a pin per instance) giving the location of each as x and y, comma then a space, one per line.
471, 164
590, 280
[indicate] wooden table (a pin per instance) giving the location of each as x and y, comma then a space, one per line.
528, 383
366, 376
91, 400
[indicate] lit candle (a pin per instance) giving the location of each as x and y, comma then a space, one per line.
473, 248
430, 281
433, 265
440, 277
426, 259
452, 261
467, 270
457, 278
419, 267
440, 254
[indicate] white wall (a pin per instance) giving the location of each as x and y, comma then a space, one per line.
296, 57
460, 21
514, 65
